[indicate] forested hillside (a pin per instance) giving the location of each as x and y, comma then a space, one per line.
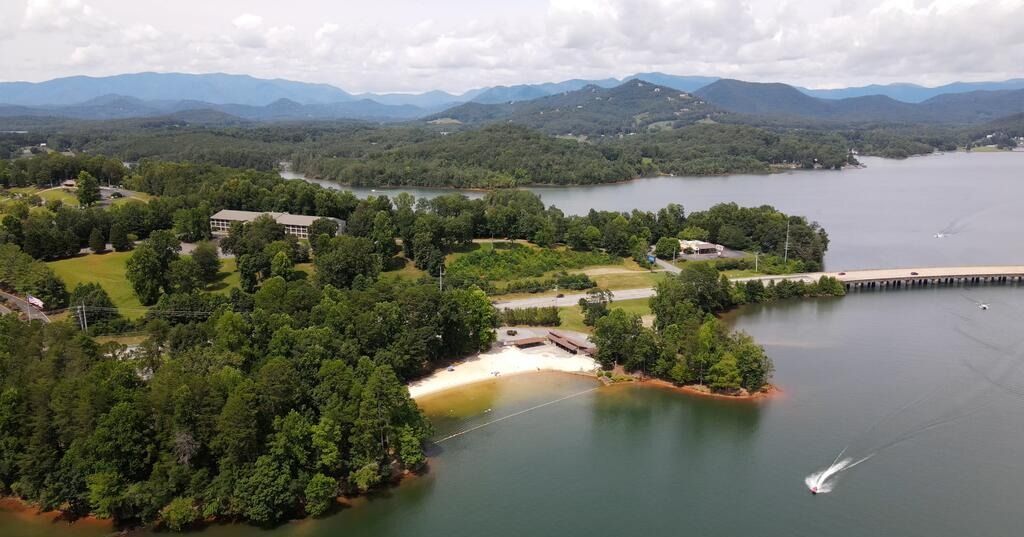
592, 110
781, 100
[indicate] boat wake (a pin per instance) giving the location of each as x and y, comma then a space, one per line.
824, 481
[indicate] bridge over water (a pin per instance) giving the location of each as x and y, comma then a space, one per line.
897, 278
911, 277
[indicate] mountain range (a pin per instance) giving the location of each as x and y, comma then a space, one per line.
241, 97
780, 100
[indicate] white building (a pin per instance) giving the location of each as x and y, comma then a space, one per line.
701, 247
294, 224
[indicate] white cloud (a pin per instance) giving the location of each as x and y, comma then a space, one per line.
455, 45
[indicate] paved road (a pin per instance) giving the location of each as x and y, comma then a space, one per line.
30, 311
188, 247
852, 276
668, 266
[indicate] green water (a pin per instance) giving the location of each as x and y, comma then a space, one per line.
862, 371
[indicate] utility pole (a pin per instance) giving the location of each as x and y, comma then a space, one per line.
83, 321
756, 254
785, 257
440, 278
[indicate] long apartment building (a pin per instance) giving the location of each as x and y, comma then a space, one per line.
294, 224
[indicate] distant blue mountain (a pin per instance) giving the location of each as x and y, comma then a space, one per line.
783, 101
688, 84
151, 94
912, 93
217, 88
432, 99
122, 107
529, 92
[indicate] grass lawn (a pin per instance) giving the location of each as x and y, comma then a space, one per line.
67, 198
572, 317
108, 271
408, 270
229, 277
624, 280
742, 273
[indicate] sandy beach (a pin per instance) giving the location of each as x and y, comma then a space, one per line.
505, 361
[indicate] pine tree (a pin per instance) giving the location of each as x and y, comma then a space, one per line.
96, 241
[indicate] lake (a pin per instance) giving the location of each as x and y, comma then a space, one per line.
922, 381
882, 215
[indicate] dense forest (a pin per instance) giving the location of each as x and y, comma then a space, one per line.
260, 408
492, 156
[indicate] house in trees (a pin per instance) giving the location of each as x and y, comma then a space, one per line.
294, 224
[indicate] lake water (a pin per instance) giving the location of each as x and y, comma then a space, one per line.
882, 215
923, 380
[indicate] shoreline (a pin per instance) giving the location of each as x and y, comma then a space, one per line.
504, 361
770, 391
24, 510
772, 170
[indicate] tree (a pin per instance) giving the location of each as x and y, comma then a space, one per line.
208, 260
345, 258
667, 248
383, 235
755, 367
733, 237
320, 494
146, 274
724, 376
281, 266
616, 237
545, 235
88, 189
193, 224
252, 268
165, 245
180, 513
97, 243
700, 284
595, 305
614, 334
119, 237
322, 226
694, 233
184, 275
91, 301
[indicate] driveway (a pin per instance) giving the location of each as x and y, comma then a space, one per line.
29, 310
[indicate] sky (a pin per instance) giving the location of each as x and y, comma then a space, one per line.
455, 45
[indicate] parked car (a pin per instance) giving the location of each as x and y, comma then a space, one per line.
913, 274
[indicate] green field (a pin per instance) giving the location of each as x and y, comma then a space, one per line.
59, 194
572, 317
108, 270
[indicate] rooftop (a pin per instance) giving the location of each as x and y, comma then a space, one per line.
281, 218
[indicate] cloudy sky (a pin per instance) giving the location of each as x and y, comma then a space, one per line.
416, 45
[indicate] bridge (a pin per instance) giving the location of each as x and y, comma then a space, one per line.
853, 280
